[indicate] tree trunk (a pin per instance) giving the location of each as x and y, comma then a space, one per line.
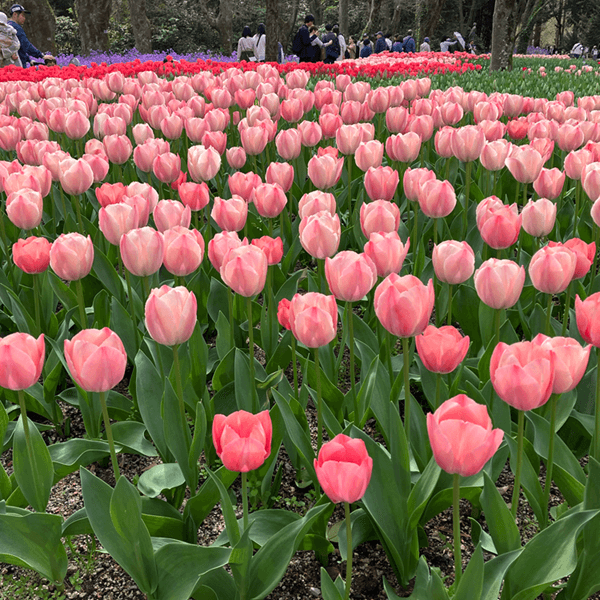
93, 17
141, 26
40, 25
461, 18
502, 44
343, 19
316, 10
537, 34
432, 18
272, 26
373, 15
222, 23
396, 16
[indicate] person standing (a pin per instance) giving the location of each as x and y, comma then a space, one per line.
332, 45
261, 42
366, 49
397, 46
341, 41
302, 46
425, 47
9, 43
445, 45
408, 43
246, 49
380, 45
27, 49
351, 50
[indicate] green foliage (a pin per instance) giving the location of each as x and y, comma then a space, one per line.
67, 35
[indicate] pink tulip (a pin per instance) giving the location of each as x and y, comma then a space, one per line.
369, 154
171, 315
272, 247
244, 270
203, 163
280, 173
32, 255
584, 253
523, 374
493, 130
194, 195
283, 313
381, 183
313, 319
350, 275
587, 313
142, 251
243, 184
254, 140
344, 469
538, 217
549, 183
422, 126
314, 202
171, 213
141, 133
413, 179
494, 154
436, 198
76, 125
443, 142
453, 262
575, 161
236, 157
403, 148
379, 216
118, 148
183, 250
96, 359
24, 209
468, 142
461, 436
289, 144
22, 360
551, 269
570, 137
230, 215
171, 126
116, 219
76, 176
110, 193
387, 252
570, 363
443, 349
242, 440
499, 224
348, 138
499, 282
525, 164
325, 171
72, 256
269, 199
403, 305
166, 167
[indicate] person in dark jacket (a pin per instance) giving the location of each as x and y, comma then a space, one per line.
302, 43
397, 46
332, 51
408, 42
366, 50
380, 44
27, 49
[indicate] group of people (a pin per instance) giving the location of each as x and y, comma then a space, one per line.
15, 47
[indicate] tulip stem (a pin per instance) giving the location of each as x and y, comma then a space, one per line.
447, 173
566, 313
322, 278
550, 461
517, 486
231, 322
438, 389
5, 240
348, 550
245, 498
405, 352
78, 211
456, 528
81, 304
413, 242
468, 167
36, 301
132, 307
22, 405
64, 206
294, 367
109, 436
449, 304
435, 228
146, 284
251, 353
597, 423
497, 315
351, 348
577, 201
524, 194
349, 166
548, 315
595, 263
319, 401
178, 384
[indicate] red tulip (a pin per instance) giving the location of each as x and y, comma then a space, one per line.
96, 359
344, 469
461, 436
242, 440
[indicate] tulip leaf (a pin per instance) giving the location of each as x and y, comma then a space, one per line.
65, 294
224, 373
362, 531
122, 323
233, 529
115, 516
499, 519
165, 476
330, 393
585, 580
549, 556
178, 436
421, 493
149, 393
22, 318
33, 467
175, 578
199, 351
328, 587
269, 564
428, 585
106, 273
471, 583
3, 424
245, 399
223, 335
265, 524
70, 455
131, 435
465, 300
493, 573
199, 436
217, 298
32, 540
77, 524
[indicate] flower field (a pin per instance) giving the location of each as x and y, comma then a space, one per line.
379, 274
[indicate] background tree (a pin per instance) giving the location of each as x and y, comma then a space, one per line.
41, 25
221, 21
140, 24
93, 17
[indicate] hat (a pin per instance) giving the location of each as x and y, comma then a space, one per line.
427, 39
17, 8
309, 18
380, 33
3, 18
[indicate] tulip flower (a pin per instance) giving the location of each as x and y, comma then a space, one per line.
269, 199
387, 252
462, 439
315, 202
203, 163
320, 234
325, 171
24, 209
171, 213
538, 217
499, 224
183, 250
380, 216
381, 183
549, 183
499, 282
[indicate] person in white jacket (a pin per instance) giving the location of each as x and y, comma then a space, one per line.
261, 42
9, 43
246, 49
342, 41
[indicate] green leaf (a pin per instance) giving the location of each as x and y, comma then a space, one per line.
471, 583
493, 573
33, 541
155, 480
233, 530
125, 327
65, 294
149, 392
199, 436
421, 493
265, 524
175, 578
243, 383
131, 435
362, 531
501, 523
428, 585
328, 589
33, 467
70, 455
549, 556
77, 524
269, 564
131, 554
223, 335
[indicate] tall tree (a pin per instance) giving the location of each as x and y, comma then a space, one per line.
140, 24
41, 25
343, 18
93, 17
222, 22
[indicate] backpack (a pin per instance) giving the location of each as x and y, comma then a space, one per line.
297, 44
